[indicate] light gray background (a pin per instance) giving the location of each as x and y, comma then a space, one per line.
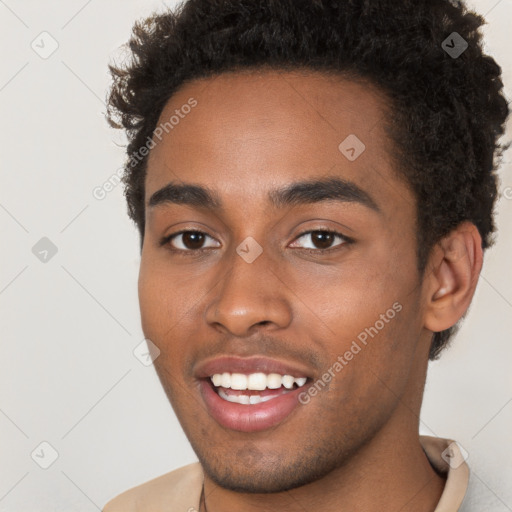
69, 326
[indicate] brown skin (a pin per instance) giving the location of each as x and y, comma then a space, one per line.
355, 445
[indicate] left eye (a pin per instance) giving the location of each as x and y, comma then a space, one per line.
322, 239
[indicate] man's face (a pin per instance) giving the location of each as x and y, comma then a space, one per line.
306, 302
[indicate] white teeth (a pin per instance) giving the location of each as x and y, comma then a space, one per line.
240, 399
274, 381
226, 380
217, 379
288, 381
256, 381
244, 399
238, 381
300, 381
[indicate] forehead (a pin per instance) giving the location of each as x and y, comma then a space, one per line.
253, 131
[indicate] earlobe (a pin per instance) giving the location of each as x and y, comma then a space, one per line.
454, 270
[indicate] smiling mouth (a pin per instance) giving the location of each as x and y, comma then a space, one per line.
251, 394
254, 388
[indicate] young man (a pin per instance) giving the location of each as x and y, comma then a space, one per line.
313, 182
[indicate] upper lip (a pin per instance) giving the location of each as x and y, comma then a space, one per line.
233, 364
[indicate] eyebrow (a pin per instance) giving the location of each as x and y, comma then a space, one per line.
297, 193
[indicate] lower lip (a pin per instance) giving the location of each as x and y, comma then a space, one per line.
249, 418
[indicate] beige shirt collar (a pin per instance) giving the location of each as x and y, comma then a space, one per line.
447, 458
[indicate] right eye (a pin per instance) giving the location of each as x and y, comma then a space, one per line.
187, 241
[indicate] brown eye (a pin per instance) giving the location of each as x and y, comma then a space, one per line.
321, 239
187, 241
193, 239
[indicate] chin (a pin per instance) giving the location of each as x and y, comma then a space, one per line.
256, 474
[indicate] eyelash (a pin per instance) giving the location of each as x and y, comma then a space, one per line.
195, 252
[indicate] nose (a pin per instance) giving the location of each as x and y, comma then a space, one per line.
250, 294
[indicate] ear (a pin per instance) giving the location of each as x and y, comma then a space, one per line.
451, 276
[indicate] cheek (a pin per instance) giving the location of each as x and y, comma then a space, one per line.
165, 292
150, 299
172, 306
346, 299
163, 311
160, 308
372, 315
371, 375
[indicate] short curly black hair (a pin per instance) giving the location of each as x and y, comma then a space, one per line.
448, 111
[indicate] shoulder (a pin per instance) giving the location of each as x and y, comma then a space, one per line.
180, 489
